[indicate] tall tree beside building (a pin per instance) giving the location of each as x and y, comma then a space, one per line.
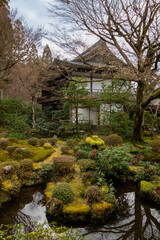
131, 28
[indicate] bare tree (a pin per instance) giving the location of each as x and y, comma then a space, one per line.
131, 29
16, 39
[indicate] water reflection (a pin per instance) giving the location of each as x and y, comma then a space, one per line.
135, 221
28, 208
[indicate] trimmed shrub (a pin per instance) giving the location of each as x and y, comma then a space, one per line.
52, 141
33, 141
4, 143
113, 140
11, 149
26, 165
18, 150
71, 143
26, 151
93, 194
81, 154
65, 149
47, 146
155, 146
63, 192
63, 165
13, 140
42, 141
89, 177
86, 164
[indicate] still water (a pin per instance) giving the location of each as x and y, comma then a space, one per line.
134, 220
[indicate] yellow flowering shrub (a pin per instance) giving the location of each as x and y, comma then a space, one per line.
94, 140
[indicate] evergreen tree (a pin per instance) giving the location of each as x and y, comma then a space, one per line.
47, 56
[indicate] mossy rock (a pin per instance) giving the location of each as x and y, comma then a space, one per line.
11, 186
146, 187
10, 167
76, 212
101, 211
54, 207
47, 146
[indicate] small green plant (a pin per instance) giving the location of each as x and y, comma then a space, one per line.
93, 194
33, 141
113, 140
89, 177
65, 149
86, 164
4, 143
63, 192
81, 154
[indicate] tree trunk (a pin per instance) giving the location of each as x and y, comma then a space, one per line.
76, 119
137, 130
33, 112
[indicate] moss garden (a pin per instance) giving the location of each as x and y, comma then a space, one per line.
80, 175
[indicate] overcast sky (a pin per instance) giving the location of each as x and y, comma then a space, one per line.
34, 12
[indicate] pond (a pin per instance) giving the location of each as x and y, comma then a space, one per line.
134, 219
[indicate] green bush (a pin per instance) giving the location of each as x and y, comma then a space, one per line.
65, 149
64, 192
4, 143
86, 164
26, 165
115, 161
155, 146
93, 194
33, 141
81, 154
113, 140
63, 165
52, 141
42, 141
47, 146
11, 149
71, 143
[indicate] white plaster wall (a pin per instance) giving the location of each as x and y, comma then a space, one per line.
98, 85
83, 115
